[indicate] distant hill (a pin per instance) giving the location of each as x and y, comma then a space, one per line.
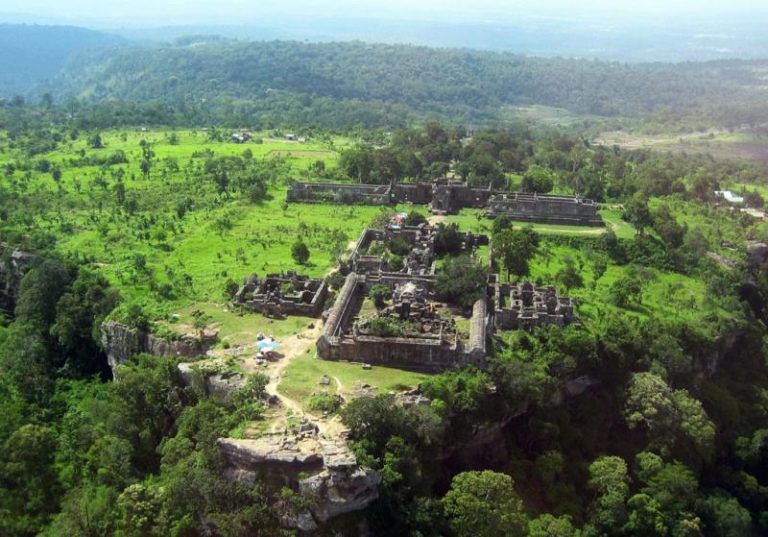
339, 84
30, 54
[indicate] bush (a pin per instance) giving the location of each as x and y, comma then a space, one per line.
399, 246
380, 293
300, 252
415, 219
323, 402
462, 281
336, 280
136, 318
230, 288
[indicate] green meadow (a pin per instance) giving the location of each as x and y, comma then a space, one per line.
175, 240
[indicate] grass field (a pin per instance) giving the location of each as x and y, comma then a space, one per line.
719, 144
302, 377
667, 295
173, 265
474, 221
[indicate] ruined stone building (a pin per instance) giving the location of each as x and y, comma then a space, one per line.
449, 197
416, 331
545, 209
340, 193
409, 334
278, 295
525, 306
369, 256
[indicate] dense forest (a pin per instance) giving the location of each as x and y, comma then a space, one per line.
212, 80
30, 54
248, 79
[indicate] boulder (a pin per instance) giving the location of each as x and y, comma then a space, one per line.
757, 253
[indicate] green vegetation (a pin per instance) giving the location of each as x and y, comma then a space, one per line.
302, 377
647, 417
337, 85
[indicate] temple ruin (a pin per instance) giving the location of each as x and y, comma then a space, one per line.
409, 334
568, 210
448, 197
416, 331
525, 306
370, 254
278, 295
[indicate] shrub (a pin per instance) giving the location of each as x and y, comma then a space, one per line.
380, 293
323, 402
300, 252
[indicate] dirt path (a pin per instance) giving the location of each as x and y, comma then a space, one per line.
290, 348
339, 385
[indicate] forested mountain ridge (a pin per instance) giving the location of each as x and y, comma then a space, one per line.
401, 80
30, 54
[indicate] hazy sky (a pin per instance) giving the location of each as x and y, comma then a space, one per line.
169, 12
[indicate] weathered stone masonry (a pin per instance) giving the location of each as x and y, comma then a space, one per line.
545, 209
446, 197
278, 295
341, 340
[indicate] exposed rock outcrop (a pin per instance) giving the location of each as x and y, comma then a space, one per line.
757, 253
322, 469
13, 265
219, 384
120, 342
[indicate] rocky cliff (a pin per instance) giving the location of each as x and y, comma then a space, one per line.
13, 266
120, 342
321, 469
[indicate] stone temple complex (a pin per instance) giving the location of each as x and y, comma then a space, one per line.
411, 327
545, 209
416, 331
448, 197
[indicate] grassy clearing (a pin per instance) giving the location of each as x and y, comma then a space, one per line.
474, 220
236, 328
220, 237
613, 220
666, 295
720, 144
302, 377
